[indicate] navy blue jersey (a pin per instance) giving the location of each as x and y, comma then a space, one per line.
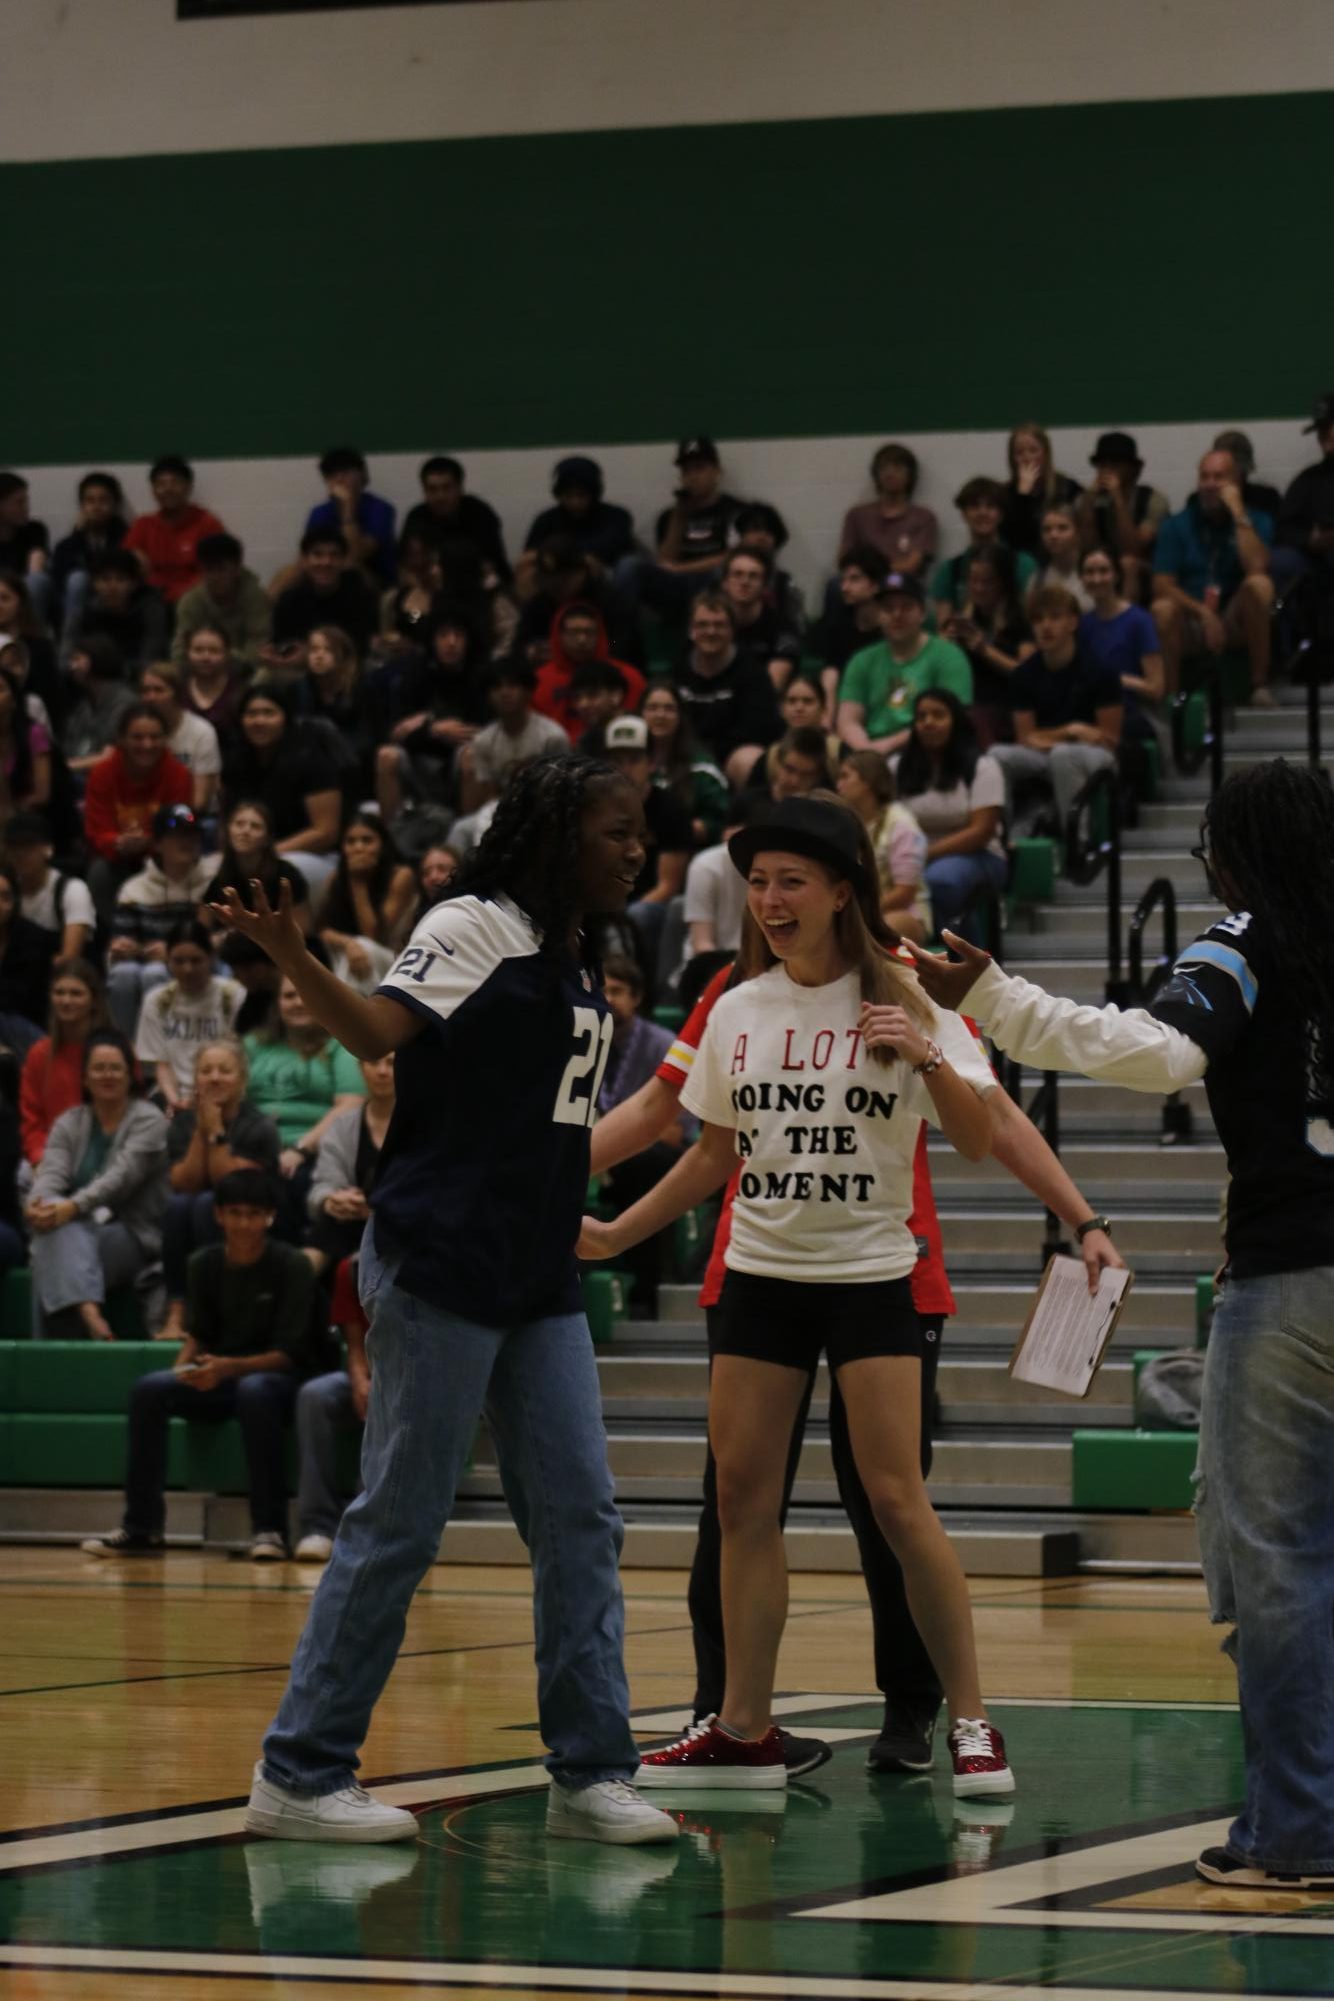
484, 1172
1266, 1100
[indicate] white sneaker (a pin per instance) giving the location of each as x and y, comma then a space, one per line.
268, 1547
608, 1811
349, 1815
314, 1549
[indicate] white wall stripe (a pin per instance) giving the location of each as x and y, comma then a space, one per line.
384, 74
813, 481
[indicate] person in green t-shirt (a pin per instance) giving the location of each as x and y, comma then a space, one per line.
882, 682
300, 1078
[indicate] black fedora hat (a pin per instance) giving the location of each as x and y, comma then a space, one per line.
822, 829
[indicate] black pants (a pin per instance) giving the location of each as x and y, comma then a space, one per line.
262, 1403
624, 1185
903, 1669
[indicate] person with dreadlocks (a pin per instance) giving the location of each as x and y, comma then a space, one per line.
1249, 1007
468, 1275
817, 1072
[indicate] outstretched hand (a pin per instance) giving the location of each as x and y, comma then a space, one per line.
948, 980
274, 930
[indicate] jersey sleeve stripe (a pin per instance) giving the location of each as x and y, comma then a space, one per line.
1208, 952
681, 1057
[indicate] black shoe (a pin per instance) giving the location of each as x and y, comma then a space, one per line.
907, 1742
123, 1542
803, 1754
1220, 1865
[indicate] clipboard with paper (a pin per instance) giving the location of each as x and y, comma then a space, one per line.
1065, 1336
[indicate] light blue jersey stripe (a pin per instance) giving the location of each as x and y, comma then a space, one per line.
1208, 952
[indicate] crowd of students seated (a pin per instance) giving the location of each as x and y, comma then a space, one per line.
171, 724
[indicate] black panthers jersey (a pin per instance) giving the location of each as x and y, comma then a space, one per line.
1273, 1110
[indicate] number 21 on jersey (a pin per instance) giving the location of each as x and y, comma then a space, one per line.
576, 1100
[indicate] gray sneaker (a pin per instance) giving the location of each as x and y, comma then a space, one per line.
267, 1546
349, 1815
608, 1811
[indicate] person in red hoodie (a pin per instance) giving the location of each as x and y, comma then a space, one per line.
578, 635
167, 542
125, 790
52, 1077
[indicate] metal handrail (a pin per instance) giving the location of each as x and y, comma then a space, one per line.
1178, 1120
1186, 760
1160, 891
985, 897
1087, 856
1045, 1112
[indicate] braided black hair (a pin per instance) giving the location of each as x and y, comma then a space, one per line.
530, 852
1270, 831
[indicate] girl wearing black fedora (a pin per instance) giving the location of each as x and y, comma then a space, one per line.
817, 1072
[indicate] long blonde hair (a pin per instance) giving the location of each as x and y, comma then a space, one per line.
865, 941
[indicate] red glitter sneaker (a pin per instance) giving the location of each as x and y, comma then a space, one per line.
708, 1758
978, 1751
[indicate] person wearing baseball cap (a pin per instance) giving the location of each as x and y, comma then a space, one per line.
582, 516
1305, 534
817, 1071
167, 891
1119, 513
881, 682
691, 536
667, 841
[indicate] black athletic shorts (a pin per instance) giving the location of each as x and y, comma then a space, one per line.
779, 1320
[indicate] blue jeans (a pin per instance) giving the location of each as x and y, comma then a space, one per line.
1265, 1503
433, 1373
952, 880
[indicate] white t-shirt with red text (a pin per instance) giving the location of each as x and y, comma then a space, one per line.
825, 1133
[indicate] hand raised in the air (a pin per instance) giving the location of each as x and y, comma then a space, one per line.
275, 931
948, 980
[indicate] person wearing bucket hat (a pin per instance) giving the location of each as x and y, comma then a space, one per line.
1117, 512
581, 514
817, 1073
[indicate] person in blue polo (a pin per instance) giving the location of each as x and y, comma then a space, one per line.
1211, 583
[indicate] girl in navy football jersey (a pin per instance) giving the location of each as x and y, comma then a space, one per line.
1250, 1009
468, 1276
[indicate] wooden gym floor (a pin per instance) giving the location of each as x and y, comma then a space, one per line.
132, 1697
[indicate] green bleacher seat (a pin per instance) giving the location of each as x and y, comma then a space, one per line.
64, 1449
1151, 775
1204, 1308
1032, 871
86, 1377
688, 1233
124, 1309
16, 1304
1133, 1469
669, 1017
604, 1303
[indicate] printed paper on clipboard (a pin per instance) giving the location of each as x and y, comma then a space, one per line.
1068, 1327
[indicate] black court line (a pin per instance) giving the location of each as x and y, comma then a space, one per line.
411, 1654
